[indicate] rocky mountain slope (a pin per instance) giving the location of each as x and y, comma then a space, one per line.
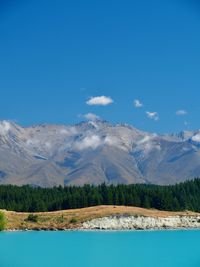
95, 152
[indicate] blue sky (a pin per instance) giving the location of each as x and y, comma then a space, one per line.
56, 55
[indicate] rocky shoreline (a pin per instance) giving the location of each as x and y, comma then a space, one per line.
102, 218
126, 222
123, 222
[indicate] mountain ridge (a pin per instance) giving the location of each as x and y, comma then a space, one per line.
94, 152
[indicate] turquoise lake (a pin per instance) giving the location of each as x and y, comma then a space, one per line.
100, 249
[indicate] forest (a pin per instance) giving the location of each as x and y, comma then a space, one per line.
179, 197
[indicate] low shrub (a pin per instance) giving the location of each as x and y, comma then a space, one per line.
2, 221
73, 220
32, 218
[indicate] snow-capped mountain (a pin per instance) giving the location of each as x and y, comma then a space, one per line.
95, 152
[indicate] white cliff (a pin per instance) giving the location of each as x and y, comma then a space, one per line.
123, 222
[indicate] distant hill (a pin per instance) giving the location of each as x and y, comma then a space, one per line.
94, 152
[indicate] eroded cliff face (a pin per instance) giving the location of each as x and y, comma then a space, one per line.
123, 222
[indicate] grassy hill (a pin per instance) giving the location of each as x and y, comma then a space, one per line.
72, 219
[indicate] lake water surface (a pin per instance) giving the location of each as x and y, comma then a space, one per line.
100, 249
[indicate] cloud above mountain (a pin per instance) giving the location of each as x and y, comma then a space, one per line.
90, 116
152, 115
100, 101
92, 141
137, 103
181, 112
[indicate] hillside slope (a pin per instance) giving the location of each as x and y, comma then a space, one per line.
95, 152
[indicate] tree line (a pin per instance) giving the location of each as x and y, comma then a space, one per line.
179, 197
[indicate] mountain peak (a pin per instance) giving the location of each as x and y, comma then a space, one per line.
95, 151
7, 127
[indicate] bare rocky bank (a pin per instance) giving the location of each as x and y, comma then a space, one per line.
126, 222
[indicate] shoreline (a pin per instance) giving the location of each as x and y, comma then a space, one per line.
103, 218
103, 230
122, 222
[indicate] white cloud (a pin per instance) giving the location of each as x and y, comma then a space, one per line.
137, 103
112, 140
32, 142
64, 132
181, 112
68, 131
91, 117
152, 115
93, 141
4, 127
90, 141
48, 145
196, 138
146, 139
100, 101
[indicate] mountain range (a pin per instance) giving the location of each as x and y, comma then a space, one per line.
94, 152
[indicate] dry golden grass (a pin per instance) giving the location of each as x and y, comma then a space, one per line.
72, 219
